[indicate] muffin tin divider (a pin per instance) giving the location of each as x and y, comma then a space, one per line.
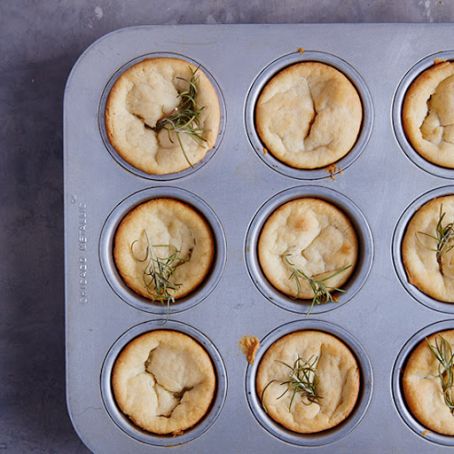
235, 182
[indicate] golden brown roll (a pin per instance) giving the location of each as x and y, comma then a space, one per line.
431, 271
141, 103
422, 385
428, 114
330, 375
163, 249
309, 115
310, 235
164, 381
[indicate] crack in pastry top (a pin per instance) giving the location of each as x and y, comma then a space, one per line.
318, 238
159, 229
164, 381
428, 114
175, 396
309, 115
433, 277
145, 93
337, 380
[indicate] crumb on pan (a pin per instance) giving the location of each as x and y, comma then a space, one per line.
249, 346
332, 170
265, 151
439, 60
425, 432
301, 50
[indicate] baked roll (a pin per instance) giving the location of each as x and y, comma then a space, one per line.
163, 249
308, 381
307, 240
164, 381
427, 249
428, 114
162, 115
309, 115
425, 383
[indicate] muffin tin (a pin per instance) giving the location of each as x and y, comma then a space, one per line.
375, 184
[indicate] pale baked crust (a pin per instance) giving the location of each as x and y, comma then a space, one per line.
418, 256
166, 222
164, 381
422, 388
338, 381
309, 115
141, 96
320, 239
428, 114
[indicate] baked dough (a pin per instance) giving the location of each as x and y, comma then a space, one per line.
161, 228
309, 115
422, 388
428, 114
145, 93
420, 260
337, 381
164, 381
319, 239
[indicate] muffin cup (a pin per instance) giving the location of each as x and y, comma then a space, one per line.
327, 436
365, 249
398, 236
396, 384
126, 165
398, 101
124, 423
112, 275
272, 69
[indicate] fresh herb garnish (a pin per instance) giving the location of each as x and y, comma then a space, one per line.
442, 351
159, 269
322, 292
302, 379
185, 118
443, 236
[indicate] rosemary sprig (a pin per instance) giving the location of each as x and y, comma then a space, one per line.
322, 292
185, 118
302, 379
158, 271
442, 351
443, 236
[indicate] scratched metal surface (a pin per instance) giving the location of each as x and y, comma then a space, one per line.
382, 316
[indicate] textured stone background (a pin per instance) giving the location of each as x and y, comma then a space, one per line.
39, 43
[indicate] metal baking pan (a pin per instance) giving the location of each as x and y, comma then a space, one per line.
379, 184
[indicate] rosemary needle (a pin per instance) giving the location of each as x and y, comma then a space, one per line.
322, 292
302, 379
159, 270
442, 351
185, 118
443, 236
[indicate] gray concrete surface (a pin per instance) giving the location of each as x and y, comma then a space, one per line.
39, 42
